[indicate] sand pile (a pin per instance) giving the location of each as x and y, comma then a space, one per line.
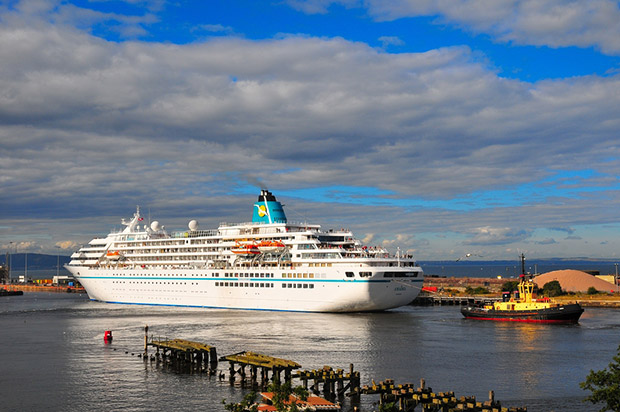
574, 281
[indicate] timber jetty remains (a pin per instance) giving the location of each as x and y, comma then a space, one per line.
331, 383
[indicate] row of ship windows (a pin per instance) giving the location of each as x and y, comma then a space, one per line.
227, 284
292, 276
264, 285
247, 275
138, 282
245, 284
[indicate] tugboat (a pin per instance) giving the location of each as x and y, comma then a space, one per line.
523, 306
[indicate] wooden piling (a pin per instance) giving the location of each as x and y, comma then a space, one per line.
201, 356
258, 362
408, 399
333, 381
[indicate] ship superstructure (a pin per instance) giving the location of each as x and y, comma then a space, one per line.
268, 264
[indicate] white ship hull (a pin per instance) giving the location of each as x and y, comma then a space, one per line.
197, 288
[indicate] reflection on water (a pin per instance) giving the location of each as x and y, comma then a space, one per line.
61, 337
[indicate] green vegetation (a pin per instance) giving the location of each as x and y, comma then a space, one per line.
510, 286
593, 291
246, 405
552, 289
388, 407
281, 394
476, 291
605, 386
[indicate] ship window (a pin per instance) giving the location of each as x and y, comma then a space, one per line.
312, 286
367, 274
400, 274
305, 286
349, 274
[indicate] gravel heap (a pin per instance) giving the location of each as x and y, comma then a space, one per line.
574, 281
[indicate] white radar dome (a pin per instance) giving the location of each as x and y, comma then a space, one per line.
155, 226
193, 225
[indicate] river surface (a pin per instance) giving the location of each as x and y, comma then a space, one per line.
53, 358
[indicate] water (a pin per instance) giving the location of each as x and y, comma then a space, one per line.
52, 355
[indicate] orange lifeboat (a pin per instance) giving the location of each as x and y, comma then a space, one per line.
245, 249
113, 255
270, 245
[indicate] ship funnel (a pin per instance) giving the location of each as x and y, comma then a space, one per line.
267, 209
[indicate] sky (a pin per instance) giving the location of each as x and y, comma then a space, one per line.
438, 127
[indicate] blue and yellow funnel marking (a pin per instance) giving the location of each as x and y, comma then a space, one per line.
267, 209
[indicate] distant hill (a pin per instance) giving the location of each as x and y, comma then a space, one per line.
36, 261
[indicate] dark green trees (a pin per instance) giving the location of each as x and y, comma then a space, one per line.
605, 386
552, 289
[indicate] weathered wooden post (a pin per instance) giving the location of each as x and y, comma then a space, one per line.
231, 371
146, 340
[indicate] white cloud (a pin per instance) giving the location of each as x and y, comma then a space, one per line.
390, 41
497, 236
216, 28
553, 23
67, 245
91, 128
319, 6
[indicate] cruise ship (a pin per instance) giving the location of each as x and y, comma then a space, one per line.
266, 264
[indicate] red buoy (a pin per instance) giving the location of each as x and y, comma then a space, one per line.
107, 336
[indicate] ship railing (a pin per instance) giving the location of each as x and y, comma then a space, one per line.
193, 233
291, 226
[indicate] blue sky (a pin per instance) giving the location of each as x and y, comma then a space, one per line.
191, 21
442, 128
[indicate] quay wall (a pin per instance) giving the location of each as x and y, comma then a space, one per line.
44, 288
494, 285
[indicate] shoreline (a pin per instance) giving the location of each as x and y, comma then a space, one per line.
43, 288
